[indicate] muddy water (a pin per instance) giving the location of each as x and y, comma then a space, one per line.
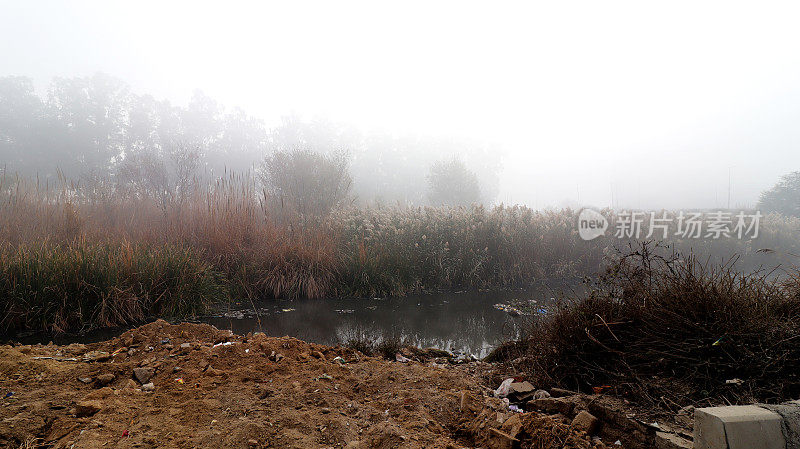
467, 323
463, 323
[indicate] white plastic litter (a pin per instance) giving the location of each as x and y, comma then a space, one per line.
504, 388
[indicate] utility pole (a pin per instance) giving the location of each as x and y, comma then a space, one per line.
729, 188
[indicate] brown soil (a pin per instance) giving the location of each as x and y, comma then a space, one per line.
252, 391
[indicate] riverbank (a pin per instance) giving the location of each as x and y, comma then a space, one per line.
80, 257
192, 385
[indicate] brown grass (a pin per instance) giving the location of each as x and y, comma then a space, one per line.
672, 331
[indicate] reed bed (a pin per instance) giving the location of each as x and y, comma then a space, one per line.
81, 285
228, 239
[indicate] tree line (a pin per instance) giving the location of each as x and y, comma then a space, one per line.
96, 129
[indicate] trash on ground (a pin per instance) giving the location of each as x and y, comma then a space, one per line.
504, 388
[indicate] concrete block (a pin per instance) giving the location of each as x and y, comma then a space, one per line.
738, 427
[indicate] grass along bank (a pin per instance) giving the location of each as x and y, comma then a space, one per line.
80, 285
82, 256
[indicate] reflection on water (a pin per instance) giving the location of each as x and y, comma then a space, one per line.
462, 323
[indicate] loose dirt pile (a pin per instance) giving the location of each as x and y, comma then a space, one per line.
191, 385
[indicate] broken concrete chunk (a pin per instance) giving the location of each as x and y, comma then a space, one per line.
520, 391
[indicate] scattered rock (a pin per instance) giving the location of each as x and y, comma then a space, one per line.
186, 345
148, 387
105, 379
252, 443
586, 422
552, 405
318, 355
142, 374
87, 408
520, 391
85, 380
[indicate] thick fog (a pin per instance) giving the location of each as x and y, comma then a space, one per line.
624, 104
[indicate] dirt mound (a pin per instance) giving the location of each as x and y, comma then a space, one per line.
191, 385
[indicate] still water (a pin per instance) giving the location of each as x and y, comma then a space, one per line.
467, 323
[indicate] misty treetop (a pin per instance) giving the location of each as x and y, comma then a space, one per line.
95, 127
453, 184
783, 197
94, 123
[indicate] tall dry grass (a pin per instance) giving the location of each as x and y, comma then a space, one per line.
258, 250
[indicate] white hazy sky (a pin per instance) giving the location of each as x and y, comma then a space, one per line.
656, 102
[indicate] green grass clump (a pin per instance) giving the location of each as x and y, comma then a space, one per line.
82, 285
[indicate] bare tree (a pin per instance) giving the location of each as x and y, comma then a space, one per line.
185, 160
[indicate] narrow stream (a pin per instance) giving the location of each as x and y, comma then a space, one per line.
469, 323
463, 323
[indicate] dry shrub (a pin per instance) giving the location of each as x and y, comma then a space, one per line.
664, 329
